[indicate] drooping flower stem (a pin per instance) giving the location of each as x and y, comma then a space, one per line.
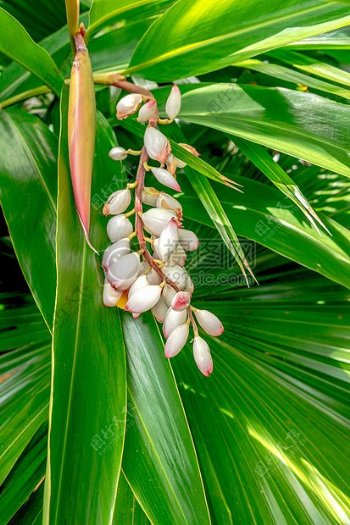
140, 184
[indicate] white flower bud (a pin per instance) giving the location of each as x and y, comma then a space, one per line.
166, 178
150, 196
168, 203
144, 299
176, 340
168, 294
115, 251
155, 220
209, 322
148, 111
140, 282
118, 153
157, 145
110, 295
173, 319
202, 356
179, 163
119, 227
128, 105
153, 277
117, 202
168, 240
159, 310
180, 301
123, 273
188, 240
177, 275
173, 103
178, 257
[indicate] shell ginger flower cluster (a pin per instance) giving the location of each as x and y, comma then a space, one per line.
145, 264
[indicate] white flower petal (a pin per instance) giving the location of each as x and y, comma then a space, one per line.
119, 227
123, 273
156, 144
110, 295
155, 220
166, 178
128, 105
173, 103
168, 294
188, 240
117, 202
144, 299
159, 310
115, 251
168, 202
177, 275
118, 153
140, 282
173, 319
168, 240
202, 356
176, 340
209, 322
148, 111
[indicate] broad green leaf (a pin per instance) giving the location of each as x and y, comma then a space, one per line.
28, 199
295, 77
313, 66
262, 160
105, 12
25, 477
127, 509
16, 43
191, 39
264, 216
334, 40
87, 409
289, 121
24, 386
166, 479
278, 400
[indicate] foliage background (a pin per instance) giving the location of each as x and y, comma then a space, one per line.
134, 438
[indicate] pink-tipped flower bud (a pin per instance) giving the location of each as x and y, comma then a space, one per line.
123, 273
128, 105
119, 227
150, 196
148, 111
209, 322
166, 178
118, 153
114, 252
168, 294
172, 320
176, 340
188, 240
168, 240
110, 295
159, 310
155, 220
168, 203
173, 103
117, 202
157, 145
144, 299
202, 356
181, 301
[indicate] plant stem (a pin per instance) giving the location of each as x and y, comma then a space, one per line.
41, 90
140, 180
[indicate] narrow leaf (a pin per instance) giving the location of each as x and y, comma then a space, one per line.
276, 118
16, 43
